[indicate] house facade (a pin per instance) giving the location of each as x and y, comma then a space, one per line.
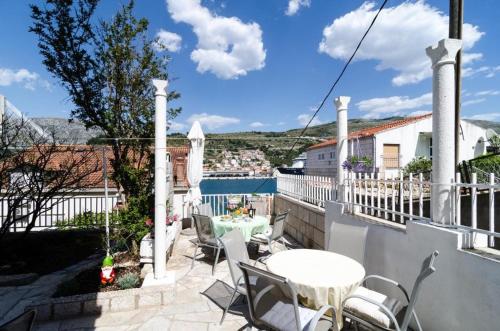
392, 146
90, 198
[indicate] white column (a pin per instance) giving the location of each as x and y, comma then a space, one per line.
443, 128
342, 148
160, 249
2, 110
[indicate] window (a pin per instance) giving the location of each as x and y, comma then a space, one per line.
332, 155
391, 156
321, 156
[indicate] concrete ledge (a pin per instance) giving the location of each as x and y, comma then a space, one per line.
95, 303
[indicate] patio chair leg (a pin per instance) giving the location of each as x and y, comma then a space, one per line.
270, 244
227, 308
194, 256
216, 260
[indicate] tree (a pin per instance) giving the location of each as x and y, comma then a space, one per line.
36, 173
106, 69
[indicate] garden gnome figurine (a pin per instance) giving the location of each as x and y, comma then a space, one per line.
107, 272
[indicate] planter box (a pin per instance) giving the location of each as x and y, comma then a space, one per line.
147, 243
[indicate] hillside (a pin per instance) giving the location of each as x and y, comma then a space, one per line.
275, 145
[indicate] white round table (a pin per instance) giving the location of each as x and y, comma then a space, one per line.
320, 277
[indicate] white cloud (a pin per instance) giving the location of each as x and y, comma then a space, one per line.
176, 126
305, 118
226, 47
281, 123
487, 71
495, 117
257, 124
294, 6
398, 39
472, 102
212, 122
487, 92
26, 78
167, 40
391, 106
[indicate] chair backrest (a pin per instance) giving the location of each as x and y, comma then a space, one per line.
260, 206
349, 240
205, 209
272, 300
204, 229
426, 270
236, 251
23, 322
279, 225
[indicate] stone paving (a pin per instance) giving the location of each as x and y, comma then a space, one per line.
14, 299
188, 309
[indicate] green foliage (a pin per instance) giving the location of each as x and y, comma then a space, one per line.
128, 281
107, 69
365, 160
129, 225
495, 141
420, 164
484, 165
85, 220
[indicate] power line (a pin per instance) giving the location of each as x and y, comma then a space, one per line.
346, 65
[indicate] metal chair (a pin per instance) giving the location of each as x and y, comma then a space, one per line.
273, 304
379, 312
206, 237
349, 240
276, 233
236, 251
23, 322
205, 209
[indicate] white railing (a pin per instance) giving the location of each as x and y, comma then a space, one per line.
262, 203
393, 198
483, 196
312, 189
62, 210
400, 199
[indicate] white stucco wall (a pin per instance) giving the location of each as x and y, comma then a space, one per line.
414, 141
411, 142
328, 166
470, 147
464, 292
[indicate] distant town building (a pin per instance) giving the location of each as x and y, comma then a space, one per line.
392, 145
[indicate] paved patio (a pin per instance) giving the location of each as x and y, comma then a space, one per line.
188, 309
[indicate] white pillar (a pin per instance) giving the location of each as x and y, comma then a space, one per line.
160, 249
2, 110
342, 140
443, 128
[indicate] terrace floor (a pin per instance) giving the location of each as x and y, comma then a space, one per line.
188, 309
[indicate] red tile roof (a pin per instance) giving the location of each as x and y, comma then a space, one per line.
368, 132
93, 160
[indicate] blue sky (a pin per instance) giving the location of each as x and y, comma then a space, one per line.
264, 64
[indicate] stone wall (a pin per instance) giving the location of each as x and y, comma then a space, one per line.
305, 223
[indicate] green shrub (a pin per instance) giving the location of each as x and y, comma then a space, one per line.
85, 220
418, 165
128, 280
484, 165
